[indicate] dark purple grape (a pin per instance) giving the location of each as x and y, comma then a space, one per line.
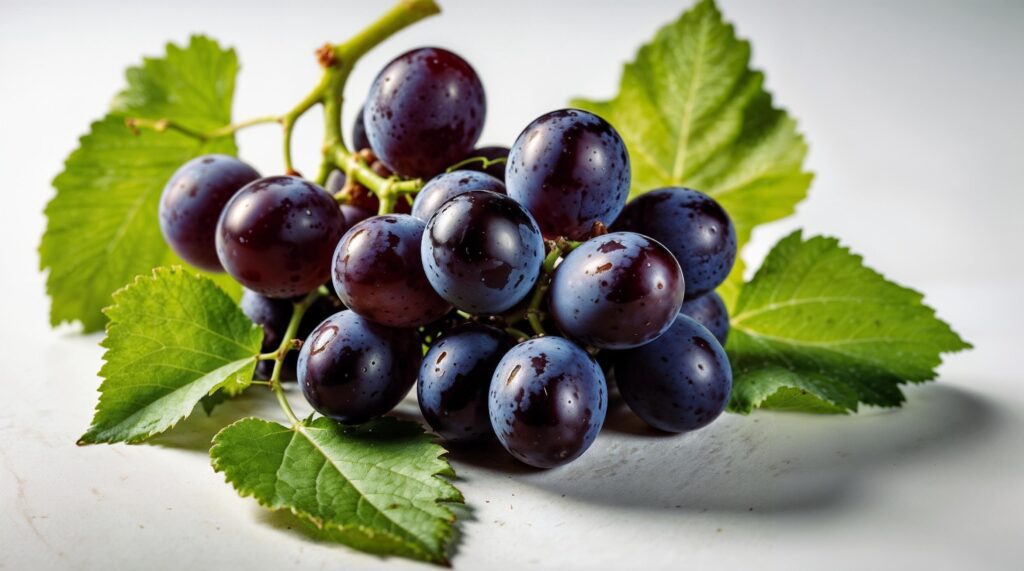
354, 215
496, 170
359, 139
482, 252
570, 169
616, 291
547, 401
353, 370
424, 112
378, 273
454, 379
709, 310
693, 226
443, 187
276, 236
273, 315
192, 202
679, 382
335, 182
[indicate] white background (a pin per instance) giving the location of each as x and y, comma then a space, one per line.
913, 113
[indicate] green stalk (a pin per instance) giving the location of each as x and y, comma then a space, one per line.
298, 311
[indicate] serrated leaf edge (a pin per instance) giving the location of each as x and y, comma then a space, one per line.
446, 533
90, 436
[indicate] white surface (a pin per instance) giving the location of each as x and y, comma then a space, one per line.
913, 113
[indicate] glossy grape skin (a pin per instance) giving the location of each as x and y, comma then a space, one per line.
443, 187
679, 382
192, 202
273, 315
547, 401
353, 370
378, 273
493, 152
424, 112
354, 215
482, 252
454, 380
276, 236
570, 169
616, 291
693, 226
709, 310
359, 138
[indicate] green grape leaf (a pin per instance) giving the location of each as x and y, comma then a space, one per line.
374, 487
102, 228
818, 331
173, 338
693, 113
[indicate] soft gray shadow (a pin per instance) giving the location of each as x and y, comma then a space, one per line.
196, 432
287, 522
769, 462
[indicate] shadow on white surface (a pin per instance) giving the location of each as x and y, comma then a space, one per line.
770, 462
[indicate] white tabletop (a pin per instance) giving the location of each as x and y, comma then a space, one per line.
912, 110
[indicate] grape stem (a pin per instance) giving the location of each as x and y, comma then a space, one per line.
534, 315
338, 60
484, 163
164, 125
287, 344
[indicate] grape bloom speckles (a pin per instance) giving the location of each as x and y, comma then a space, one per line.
548, 400
570, 169
277, 234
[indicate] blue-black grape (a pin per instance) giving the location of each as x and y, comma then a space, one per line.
570, 169
497, 170
276, 236
455, 377
482, 252
353, 370
378, 273
693, 226
679, 382
443, 187
547, 401
192, 202
424, 112
616, 291
359, 138
273, 315
709, 310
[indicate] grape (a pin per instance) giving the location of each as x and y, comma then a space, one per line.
454, 379
359, 140
547, 401
616, 291
424, 112
709, 310
693, 226
354, 215
273, 315
570, 169
482, 252
335, 181
192, 202
679, 382
277, 234
378, 273
444, 186
495, 170
353, 370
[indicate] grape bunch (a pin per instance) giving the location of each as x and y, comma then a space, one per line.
491, 286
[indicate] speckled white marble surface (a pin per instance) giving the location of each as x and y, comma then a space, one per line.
912, 112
